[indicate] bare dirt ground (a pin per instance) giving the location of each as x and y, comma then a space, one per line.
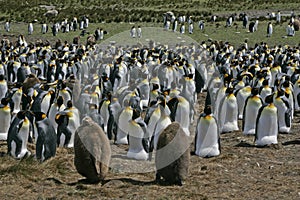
242, 171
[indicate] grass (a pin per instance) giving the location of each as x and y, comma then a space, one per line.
234, 35
117, 15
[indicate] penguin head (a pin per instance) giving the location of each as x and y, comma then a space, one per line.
229, 90
5, 101
161, 100
280, 93
60, 101
265, 82
22, 114
39, 116
269, 99
1, 77
153, 103
92, 106
286, 84
227, 79
135, 114
155, 86
207, 110
166, 92
69, 104
254, 91
60, 117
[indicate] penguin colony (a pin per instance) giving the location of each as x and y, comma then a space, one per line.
135, 93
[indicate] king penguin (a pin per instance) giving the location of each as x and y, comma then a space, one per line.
228, 113
144, 92
266, 130
3, 86
16, 95
265, 90
163, 121
18, 134
42, 101
54, 109
122, 132
252, 105
180, 112
65, 92
284, 112
221, 93
297, 95
138, 145
46, 137
114, 111
104, 110
5, 118
241, 97
73, 120
207, 140
151, 117
269, 29
64, 133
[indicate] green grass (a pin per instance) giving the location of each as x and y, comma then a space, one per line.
118, 13
233, 35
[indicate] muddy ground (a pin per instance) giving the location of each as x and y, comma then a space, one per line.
242, 171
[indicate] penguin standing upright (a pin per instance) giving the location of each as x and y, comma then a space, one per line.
269, 29
265, 90
207, 140
5, 118
138, 146
228, 113
151, 117
30, 28
3, 86
163, 121
180, 112
122, 132
284, 112
16, 95
104, 110
114, 111
46, 137
297, 95
221, 93
252, 105
266, 129
144, 92
95, 115
42, 101
54, 109
65, 92
64, 133
73, 120
241, 97
18, 134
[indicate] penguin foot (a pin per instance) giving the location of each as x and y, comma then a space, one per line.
157, 178
89, 181
179, 182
